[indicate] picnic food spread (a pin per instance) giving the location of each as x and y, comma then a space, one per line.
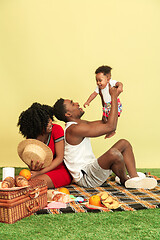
57, 196
100, 200
10, 182
109, 201
104, 199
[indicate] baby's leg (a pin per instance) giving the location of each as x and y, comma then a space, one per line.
106, 109
119, 107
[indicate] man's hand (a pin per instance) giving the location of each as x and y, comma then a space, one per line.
119, 86
113, 91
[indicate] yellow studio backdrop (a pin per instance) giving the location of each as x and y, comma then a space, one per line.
51, 49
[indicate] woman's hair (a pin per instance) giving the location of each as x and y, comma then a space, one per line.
33, 122
103, 69
59, 110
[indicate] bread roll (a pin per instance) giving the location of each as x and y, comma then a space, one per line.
60, 197
8, 182
21, 181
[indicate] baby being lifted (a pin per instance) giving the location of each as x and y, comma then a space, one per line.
103, 79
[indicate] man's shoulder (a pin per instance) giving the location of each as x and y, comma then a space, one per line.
78, 121
70, 126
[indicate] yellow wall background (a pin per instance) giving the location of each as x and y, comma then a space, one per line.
50, 49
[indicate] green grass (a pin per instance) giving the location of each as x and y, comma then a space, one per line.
142, 224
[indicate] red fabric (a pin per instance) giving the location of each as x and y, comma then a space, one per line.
57, 132
60, 176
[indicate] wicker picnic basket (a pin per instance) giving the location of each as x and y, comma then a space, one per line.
18, 203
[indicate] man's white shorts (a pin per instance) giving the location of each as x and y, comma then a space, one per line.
93, 175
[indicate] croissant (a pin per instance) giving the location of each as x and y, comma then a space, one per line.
8, 182
58, 197
21, 181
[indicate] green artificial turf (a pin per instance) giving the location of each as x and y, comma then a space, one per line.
142, 224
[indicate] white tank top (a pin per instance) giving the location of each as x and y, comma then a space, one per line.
76, 157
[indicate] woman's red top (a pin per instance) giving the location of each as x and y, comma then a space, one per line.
60, 176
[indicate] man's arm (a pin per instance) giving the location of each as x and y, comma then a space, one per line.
77, 132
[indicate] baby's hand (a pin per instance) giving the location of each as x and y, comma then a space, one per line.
86, 103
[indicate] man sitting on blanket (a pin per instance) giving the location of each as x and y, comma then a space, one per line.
86, 170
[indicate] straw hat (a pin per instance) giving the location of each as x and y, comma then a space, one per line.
31, 149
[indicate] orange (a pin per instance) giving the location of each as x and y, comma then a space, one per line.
64, 190
95, 200
25, 173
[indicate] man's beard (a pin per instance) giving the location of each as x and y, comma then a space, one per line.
82, 114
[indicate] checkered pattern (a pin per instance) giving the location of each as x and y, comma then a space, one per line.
130, 199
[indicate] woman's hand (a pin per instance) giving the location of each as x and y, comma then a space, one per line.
34, 174
37, 166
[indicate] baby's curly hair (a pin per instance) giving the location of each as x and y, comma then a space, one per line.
33, 122
103, 69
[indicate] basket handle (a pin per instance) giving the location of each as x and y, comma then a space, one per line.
34, 194
30, 207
